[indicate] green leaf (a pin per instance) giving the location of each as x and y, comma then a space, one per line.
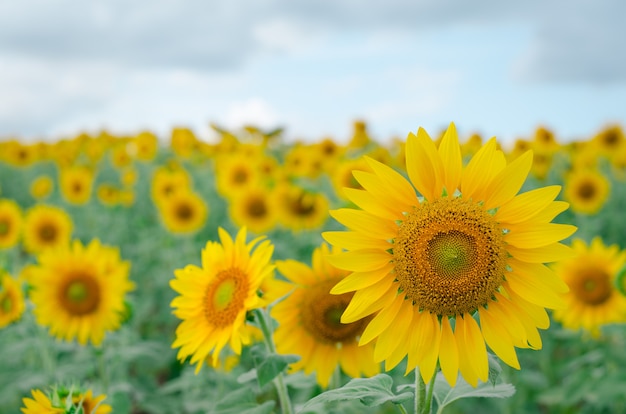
268, 366
369, 391
445, 395
242, 401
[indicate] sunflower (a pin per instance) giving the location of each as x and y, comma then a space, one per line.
342, 174
10, 223
41, 187
300, 209
11, 300
469, 252
75, 184
45, 227
183, 212
213, 299
39, 404
108, 194
78, 291
90, 404
593, 299
235, 175
309, 326
145, 146
586, 190
168, 180
256, 209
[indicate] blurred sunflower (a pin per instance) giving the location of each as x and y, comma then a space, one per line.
10, 223
300, 209
145, 146
183, 212
468, 248
167, 181
214, 299
86, 403
593, 299
39, 404
11, 300
609, 141
107, 194
309, 325
235, 175
41, 187
75, 184
586, 190
255, 209
78, 291
46, 227
342, 174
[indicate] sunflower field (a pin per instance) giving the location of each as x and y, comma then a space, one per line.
426, 274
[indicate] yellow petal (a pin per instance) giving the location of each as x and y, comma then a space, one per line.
448, 353
424, 165
370, 300
540, 272
509, 181
366, 223
360, 260
351, 240
526, 205
383, 320
395, 185
498, 338
379, 206
450, 153
483, 166
431, 352
475, 343
533, 291
465, 355
538, 235
551, 253
360, 280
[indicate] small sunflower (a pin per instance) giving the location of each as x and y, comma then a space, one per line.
168, 181
214, 299
41, 187
236, 174
108, 194
75, 184
255, 209
64, 401
183, 212
11, 300
78, 291
586, 190
86, 403
309, 325
468, 253
301, 209
593, 299
46, 227
145, 146
10, 223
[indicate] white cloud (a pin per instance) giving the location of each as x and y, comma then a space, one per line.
254, 111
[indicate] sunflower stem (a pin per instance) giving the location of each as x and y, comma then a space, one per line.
279, 382
420, 392
429, 396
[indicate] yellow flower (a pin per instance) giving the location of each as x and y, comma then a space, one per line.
90, 404
213, 299
41, 187
587, 190
75, 184
78, 291
255, 209
167, 181
309, 325
593, 299
300, 209
468, 248
45, 227
10, 223
183, 142
108, 194
39, 404
145, 146
183, 212
235, 175
342, 175
11, 300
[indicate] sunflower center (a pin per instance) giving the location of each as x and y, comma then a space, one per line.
586, 190
4, 228
240, 176
257, 208
225, 297
449, 256
80, 294
592, 286
77, 187
302, 206
184, 211
48, 232
321, 315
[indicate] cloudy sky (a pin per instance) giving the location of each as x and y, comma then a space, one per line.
311, 66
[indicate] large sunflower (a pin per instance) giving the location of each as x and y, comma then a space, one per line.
11, 300
213, 299
46, 227
309, 326
593, 299
78, 291
10, 223
467, 254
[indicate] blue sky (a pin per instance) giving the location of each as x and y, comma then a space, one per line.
496, 68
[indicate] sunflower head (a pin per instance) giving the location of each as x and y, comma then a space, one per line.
11, 300
76, 183
41, 187
78, 291
11, 223
451, 260
213, 300
183, 212
46, 227
586, 190
593, 276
